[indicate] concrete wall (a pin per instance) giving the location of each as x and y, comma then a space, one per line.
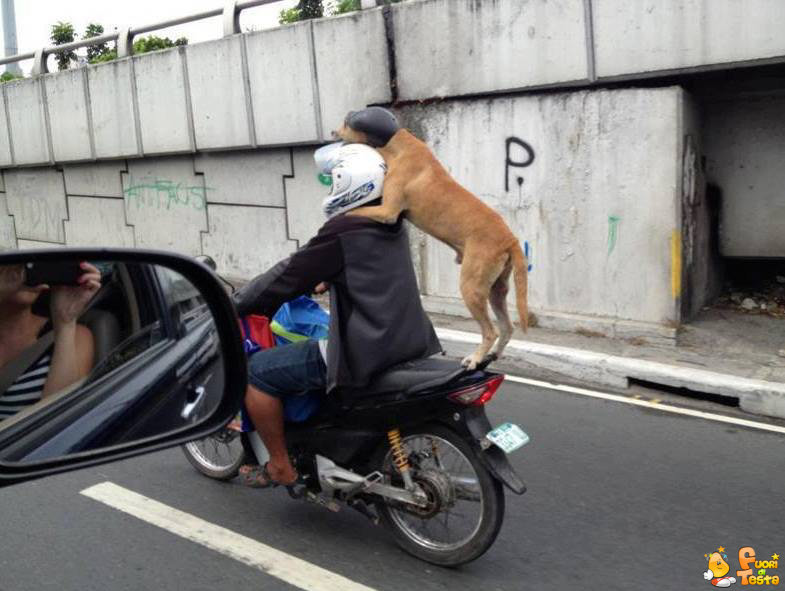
633, 37
238, 208
284, 86
590, 183
7, 228
207, 148
745, 149
294, 84
458, 47
701, 280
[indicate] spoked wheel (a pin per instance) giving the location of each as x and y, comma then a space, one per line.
218, 456
465, 503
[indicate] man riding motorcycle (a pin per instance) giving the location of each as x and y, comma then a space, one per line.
376, 317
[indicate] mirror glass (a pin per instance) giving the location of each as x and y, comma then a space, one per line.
97, 353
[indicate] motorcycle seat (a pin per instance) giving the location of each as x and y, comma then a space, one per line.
413, 377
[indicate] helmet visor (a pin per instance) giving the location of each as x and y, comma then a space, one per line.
326, 157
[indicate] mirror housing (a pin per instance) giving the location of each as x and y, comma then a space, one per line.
231, 358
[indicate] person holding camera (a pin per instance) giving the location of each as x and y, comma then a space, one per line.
62, 350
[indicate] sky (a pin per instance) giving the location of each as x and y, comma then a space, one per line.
34, 18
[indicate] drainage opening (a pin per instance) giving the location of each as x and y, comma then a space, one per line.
687, 393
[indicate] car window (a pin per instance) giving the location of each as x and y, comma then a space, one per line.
184, 302
132, 304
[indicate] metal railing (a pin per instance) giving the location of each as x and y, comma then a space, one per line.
125, 39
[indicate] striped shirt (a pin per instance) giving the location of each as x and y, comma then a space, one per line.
28, 387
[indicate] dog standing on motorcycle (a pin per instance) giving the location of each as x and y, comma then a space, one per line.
376, 318
418, 186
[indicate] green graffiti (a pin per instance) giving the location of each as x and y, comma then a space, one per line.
166, 194
613, 232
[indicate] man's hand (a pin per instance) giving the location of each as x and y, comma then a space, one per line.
321, 288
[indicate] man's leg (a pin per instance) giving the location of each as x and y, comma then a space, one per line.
287, 370
266, 413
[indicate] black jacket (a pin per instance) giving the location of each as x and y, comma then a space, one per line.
376, 317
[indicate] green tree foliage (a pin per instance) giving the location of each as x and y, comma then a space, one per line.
143, 45
62, 33
110, 55
154, 43
290, 15
344, 6
8, 76
99, 49
304, 10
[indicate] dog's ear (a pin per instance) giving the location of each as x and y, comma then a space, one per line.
377, 124
351, 136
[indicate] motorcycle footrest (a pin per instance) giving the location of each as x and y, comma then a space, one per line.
366, 483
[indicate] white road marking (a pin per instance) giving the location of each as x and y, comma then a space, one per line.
280, 565
656, 405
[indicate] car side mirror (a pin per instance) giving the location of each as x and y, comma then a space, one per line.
107, 354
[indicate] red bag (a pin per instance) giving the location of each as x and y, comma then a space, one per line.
256, 333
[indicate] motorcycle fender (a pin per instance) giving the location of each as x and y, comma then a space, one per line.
493, 458
496, 461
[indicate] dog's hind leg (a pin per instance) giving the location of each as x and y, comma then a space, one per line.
498, 299
476, 281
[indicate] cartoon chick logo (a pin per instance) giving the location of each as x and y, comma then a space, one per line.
753, 571
718, 569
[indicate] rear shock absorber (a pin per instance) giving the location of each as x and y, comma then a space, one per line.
400, 459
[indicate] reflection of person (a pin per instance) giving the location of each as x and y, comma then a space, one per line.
69, 357
377, 319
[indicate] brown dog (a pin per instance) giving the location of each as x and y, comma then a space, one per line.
434, 202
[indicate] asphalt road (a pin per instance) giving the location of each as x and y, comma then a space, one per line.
619, 498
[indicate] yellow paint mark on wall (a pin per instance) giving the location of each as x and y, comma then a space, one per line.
676, 264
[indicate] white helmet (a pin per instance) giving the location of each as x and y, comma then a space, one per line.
357, 173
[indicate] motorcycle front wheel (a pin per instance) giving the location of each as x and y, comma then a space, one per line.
218, 456
465, 503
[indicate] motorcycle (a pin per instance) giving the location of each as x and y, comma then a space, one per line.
414, 451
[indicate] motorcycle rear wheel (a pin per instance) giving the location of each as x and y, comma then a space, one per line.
218, 456
462, 480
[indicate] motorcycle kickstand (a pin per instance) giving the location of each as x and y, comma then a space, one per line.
362, 507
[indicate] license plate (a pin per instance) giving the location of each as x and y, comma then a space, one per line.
508, 437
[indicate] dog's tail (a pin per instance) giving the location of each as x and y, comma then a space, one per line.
520, 272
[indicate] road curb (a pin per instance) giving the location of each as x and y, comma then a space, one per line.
755, 396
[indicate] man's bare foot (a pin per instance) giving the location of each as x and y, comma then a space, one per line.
282, 473
266, 476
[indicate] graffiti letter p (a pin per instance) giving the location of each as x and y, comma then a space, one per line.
508, 162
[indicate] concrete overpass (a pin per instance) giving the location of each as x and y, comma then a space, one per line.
592, 125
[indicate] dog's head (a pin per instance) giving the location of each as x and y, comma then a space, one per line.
373, 126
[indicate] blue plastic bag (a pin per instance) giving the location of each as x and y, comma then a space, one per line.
299, 320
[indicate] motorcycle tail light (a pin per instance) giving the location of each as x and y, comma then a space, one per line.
479, 394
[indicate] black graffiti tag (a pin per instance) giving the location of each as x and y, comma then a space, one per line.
527, 151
